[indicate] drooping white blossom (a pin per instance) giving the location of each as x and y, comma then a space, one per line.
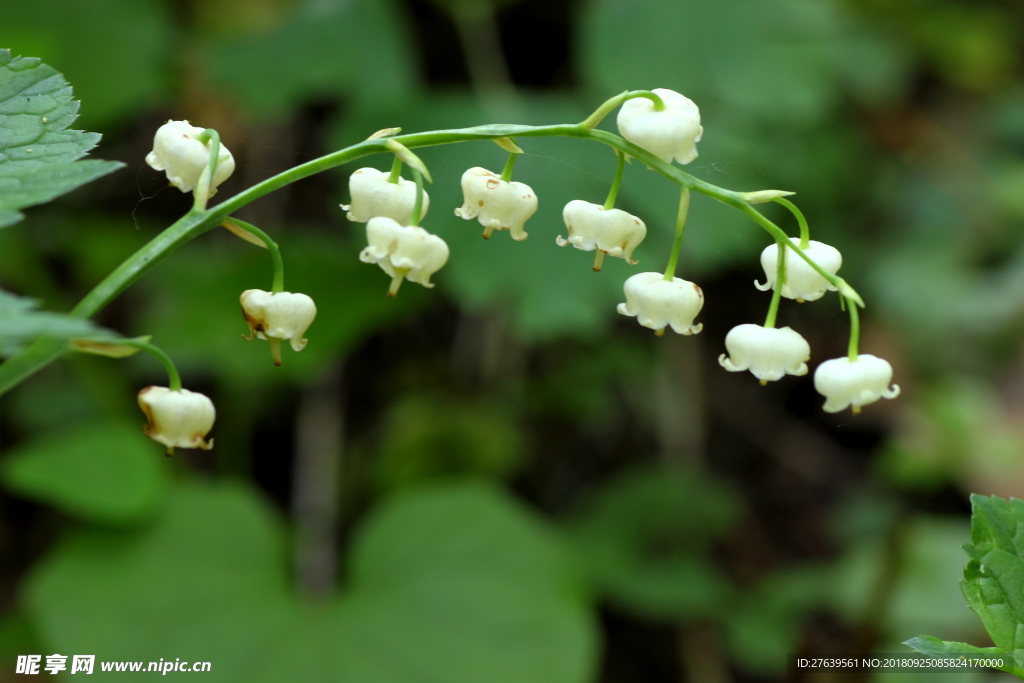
177, 419
372, 196
803, 283
844, 382
177, 151
768, 352
277, 317
495, 203
403, 252
613, 232
657, 303
672, 133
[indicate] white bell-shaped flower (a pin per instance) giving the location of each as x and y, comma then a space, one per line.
768, 352
657, 302
372, 196
613, 232
844, 382
277, 317
403, 252
177, 419
497, 204
803, 283
177, 151
672, 133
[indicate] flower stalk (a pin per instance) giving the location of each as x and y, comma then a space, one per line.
684, 210
271, 246
202, 218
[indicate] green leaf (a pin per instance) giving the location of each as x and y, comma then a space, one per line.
327, 48
644, 538
20, 323
455, 584
107, 473
775, 59
929, 645
117, 52
993, 580
37, 152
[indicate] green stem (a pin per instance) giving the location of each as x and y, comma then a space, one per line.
684, 210
506, 173
396, 171
417, 208
780, 236
805, 231
609, 105
614, 192
201, 195
173, 378
854, 329
275, 251
45, 350
780, 280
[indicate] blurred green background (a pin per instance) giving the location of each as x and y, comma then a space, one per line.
501, 479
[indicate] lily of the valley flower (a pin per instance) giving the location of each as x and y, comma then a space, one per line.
672, 133
497, 204
177, 151
373, 195
403, 252
803, 283
277, 317
177, 419
657, 303
844, 382
768, 352
613, 232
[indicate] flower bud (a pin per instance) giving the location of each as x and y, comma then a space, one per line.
803, 282
403, 252
613, 232
844, 382
278, 317
177, 419
672, 133
768, 352
497, 204
762, 196
177, 151
657, 302
373, 195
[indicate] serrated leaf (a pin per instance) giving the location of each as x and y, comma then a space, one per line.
930, 645
993, 580
37, 153
116, 52
20, 323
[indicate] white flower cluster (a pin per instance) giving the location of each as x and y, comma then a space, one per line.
771, 353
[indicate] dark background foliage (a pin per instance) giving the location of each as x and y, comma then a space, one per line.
652, 516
